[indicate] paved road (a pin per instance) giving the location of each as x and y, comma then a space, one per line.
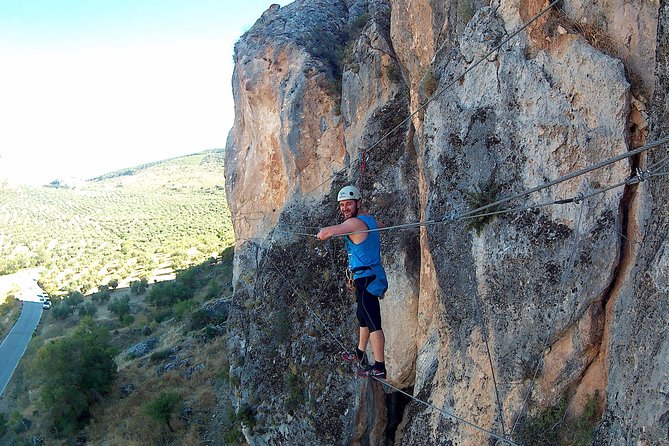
15, 343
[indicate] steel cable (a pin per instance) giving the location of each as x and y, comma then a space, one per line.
443, 89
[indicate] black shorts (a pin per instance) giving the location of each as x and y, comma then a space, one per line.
368, 312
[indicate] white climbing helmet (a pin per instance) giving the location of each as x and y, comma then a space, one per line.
348, 193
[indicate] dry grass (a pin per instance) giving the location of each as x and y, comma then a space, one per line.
122, 421
429, 83
592, 33
206, 398
595, 36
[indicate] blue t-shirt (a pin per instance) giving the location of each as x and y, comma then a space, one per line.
364, 259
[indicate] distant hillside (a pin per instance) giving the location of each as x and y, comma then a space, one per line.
199, 171
136, 222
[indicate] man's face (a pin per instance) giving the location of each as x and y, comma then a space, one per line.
348, 208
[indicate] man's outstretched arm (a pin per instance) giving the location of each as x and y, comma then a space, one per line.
351, 225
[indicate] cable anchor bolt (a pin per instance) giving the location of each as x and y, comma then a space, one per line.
642, 175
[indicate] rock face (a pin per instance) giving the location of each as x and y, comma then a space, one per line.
493, 321
143, 348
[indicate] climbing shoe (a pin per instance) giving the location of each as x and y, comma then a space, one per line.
372, 372
353, 358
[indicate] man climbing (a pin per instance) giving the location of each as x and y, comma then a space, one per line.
364, 261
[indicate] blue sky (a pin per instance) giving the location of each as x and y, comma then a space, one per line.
90, 86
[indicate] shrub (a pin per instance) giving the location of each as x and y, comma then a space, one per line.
210, 332
482, 195
295, 390
168, 293
139, 286
201, 318
163, 406
61, 311
227, 261
281, 328
544, 427
582, 428
189, 276
72, 372
213, 290
120, 307
247, 415
162, 314
135, 286
429, 83
8, 306
235, 380
88, 309
181, 309
552, 427
101, 296
127, 320
359, 23
231, 429
74, 299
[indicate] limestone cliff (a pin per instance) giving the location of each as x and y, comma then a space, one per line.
498, 320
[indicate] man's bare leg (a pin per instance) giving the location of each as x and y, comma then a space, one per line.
378, 343
364, 338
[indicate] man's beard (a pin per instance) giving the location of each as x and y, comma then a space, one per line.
353, 214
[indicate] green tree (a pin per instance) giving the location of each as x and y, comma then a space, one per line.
163, 406
139, 286
168, 293
101, 296
86, 286
72, 373
134, 287
61, 311
120, 306
74, 299
213, 290
88, 309
143, 285
113, 283
8, 305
